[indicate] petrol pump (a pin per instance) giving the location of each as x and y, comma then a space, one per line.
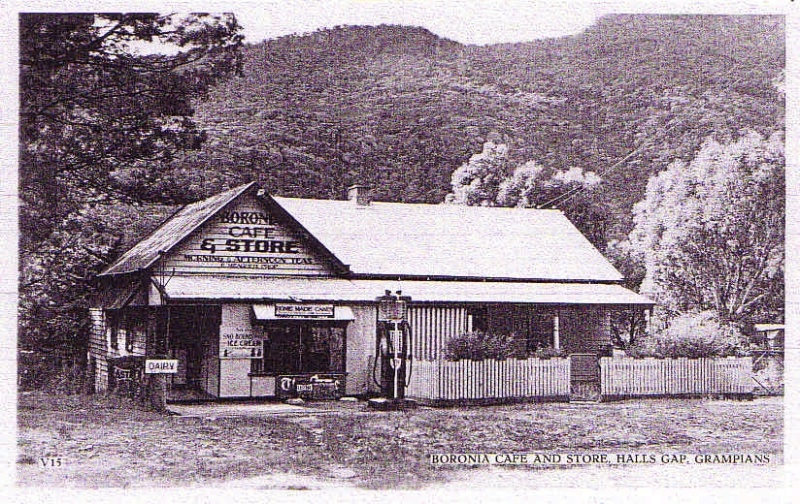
393, 351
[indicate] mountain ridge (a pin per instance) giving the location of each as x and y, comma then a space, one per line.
400, 108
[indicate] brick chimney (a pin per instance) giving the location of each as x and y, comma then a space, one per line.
361, 194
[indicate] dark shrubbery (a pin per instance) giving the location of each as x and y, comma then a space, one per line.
41, 373
548, 352
480, 345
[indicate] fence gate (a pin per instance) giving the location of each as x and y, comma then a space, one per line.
584, 377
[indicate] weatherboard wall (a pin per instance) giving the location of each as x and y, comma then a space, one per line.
584, 328
361, 341
432, 326
234, 372
98, 348
246, 239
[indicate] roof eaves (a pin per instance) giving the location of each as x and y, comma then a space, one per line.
478, 279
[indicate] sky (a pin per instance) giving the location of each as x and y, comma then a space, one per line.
473, 22
465, 21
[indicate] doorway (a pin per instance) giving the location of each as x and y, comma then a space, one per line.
193, 340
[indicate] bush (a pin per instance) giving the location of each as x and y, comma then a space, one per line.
37, 371
69, 380
692, 335
548, 352
479, 345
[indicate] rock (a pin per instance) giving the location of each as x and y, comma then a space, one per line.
295, 401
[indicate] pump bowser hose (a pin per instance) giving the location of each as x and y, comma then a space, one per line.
410, 359
377, 357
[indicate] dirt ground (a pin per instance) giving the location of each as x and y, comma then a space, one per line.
107, 442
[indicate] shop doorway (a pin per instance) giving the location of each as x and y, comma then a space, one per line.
193, 340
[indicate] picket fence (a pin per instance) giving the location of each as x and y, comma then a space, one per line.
549, 379
441, 380
627, 377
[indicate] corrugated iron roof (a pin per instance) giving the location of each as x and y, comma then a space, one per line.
452, 240
411, 240
343, 290
173, 230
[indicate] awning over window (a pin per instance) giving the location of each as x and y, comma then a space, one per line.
333, 290
302, 311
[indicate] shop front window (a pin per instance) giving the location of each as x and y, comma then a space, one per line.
309, 347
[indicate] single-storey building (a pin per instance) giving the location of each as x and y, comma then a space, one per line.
257, 296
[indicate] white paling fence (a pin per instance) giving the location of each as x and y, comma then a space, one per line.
489, 379
627, 376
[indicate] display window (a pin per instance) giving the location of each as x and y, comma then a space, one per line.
302, 347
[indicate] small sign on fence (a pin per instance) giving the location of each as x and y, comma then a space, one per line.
161, 366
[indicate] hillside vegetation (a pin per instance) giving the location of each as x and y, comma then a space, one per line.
401, 109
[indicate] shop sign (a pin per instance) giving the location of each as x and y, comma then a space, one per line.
161, 366
318, 386
246, 239
241, 344
286, 310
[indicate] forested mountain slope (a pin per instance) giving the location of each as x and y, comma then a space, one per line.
400, 108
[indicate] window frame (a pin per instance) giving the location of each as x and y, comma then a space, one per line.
477, 318
305, 327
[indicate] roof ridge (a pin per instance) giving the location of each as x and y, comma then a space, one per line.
405, 203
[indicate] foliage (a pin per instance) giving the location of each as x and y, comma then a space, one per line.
534, 186
548, 352
712, 231
401, 109
628, 324
38, 372
478, 181
531, 185
484, 180
56, 282
480, 345
100, 95
91, 103
693, 335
